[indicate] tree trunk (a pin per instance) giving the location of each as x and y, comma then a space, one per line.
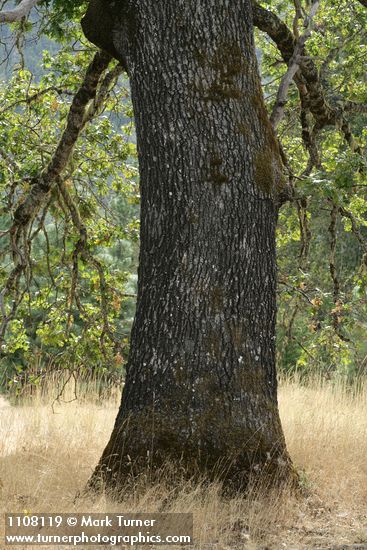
201, 386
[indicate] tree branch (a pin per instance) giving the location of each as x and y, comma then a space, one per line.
337, 312
354, 107
42, 185
307, 78
16, 14
34, 97
76, 121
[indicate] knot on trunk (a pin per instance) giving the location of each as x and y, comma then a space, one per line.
98, 25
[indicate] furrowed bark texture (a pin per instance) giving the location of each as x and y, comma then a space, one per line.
201, 384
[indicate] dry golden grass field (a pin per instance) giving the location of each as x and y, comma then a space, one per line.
48, 450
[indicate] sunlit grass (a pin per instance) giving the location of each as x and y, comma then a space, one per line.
48, 450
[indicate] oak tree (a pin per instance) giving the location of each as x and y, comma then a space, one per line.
200, 387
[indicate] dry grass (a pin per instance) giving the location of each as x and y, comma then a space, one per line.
46, 456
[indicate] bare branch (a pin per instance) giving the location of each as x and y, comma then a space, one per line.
16, 14
307, 78
310, 86
309, 133
82, 250
305, 230
293, 68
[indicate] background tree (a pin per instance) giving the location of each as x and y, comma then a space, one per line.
60, 315
322, 294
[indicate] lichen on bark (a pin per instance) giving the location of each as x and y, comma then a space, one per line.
200, 387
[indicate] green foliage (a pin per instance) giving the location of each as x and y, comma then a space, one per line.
61, 15
317, 330
321, 319
53, 318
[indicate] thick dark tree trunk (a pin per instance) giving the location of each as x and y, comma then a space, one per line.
201, 383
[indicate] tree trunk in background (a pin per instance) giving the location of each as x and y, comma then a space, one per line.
201, 386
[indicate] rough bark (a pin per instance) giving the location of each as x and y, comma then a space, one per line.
201, 386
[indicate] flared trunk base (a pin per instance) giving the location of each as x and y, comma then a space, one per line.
236, 462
